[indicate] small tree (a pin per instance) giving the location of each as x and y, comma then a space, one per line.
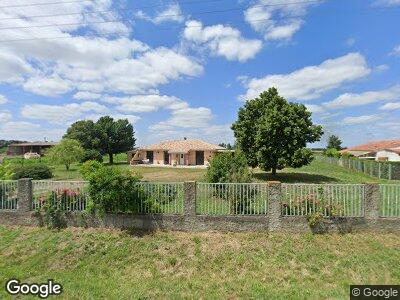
66, 153
334, 142
273, 133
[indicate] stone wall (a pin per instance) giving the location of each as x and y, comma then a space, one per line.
190, 221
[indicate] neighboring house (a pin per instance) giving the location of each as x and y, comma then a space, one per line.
176, 153
23, 148
380, 150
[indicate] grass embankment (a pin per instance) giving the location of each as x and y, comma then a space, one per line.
119, 265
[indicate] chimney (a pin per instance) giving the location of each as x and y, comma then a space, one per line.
185, 138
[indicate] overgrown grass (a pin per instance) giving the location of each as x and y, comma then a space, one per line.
110, 264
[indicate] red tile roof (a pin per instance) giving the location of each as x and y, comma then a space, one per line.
375, 146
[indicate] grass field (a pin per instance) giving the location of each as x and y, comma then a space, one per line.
112, 264
316, 172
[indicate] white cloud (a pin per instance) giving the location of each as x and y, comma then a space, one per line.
352, 99
390, 106
360, 119
146, 103
396, 51
185, 118
61, 114
131, 118
313, 81
222, 41
387, 2
83, 95
3, 99
275, 21
314, 108
5, 116
350, 41
12, 67
28, 131
172, 13
47, 86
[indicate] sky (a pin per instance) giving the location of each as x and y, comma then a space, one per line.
179, 69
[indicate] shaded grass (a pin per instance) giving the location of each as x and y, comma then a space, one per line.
130, 265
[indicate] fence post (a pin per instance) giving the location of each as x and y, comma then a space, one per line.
189, 203
25, 194
371, 201
274, 205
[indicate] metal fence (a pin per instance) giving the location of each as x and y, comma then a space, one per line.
153, 198
344, 200
8, 195
66, 195
382, 170
389, 205
231, 199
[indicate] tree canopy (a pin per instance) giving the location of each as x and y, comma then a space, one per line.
273, 133
108, 136
66, 152
334, 142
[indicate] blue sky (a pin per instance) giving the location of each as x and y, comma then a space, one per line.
183, 68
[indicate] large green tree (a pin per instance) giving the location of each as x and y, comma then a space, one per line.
108, 136
273, 133
334, 142
116, 136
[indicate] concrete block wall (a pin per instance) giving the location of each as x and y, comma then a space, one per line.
191, 221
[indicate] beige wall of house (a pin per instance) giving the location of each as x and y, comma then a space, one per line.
174, 158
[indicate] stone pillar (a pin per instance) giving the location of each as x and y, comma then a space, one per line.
189, 202
274, 205
25, 194
371, 201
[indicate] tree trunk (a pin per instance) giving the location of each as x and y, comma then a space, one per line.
67, 167
273, 172
111, 158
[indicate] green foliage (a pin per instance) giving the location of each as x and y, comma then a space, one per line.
228, 167
334, 142
92, 154
36, 171
347, 155
116, 190
331, 152
107, 136
90, 167
66, 153
273, 133
116, 136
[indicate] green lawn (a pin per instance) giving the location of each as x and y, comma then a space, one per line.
316, 172
110, 264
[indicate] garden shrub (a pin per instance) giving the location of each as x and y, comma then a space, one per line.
115, 190
36, 171
231, 167
331, 152
90, 167
92, 154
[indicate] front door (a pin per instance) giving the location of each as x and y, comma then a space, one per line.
150, 156
181, 159
199, 158
166, 158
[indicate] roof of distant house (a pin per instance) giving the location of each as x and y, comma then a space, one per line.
183, 146
376, 146
34, 144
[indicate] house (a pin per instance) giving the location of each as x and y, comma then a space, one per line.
176, 153
21, 149
388, 150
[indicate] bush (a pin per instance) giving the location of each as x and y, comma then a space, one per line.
34, 171
114, 190
90, 167
229, 167
331, 152
92, 155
